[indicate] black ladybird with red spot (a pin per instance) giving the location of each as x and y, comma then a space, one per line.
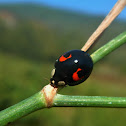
72, 68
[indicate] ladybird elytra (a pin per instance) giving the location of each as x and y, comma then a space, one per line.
62, 58
75, 75
72, 68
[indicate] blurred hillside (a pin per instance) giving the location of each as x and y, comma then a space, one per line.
32, 37
41, 33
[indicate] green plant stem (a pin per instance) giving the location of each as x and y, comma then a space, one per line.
109, 47
23, 108
37, 101
88, 101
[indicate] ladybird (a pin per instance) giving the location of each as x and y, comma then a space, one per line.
72, 68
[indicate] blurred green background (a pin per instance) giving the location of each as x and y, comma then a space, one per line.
31, 38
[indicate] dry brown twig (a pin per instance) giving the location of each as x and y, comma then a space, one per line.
115, 11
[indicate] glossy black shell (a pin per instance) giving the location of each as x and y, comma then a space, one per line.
64, 70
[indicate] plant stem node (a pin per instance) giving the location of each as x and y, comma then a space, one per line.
49, 92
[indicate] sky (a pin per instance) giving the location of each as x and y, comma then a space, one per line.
98, 7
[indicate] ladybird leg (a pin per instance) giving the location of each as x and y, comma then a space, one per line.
61, 83
53, 72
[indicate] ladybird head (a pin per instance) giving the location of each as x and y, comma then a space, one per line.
72, 68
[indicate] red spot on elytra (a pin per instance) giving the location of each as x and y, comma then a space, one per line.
62, 58
75, 75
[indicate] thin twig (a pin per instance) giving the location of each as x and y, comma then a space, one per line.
119, 6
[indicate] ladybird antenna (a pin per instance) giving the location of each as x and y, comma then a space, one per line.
115, 11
